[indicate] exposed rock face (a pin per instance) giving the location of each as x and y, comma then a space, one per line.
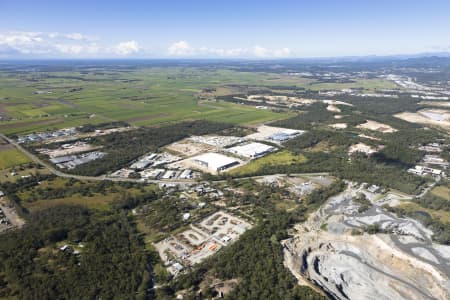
401, 265
363, 267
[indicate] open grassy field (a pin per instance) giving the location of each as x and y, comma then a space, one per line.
51, 192
278, 158
441, 192
443, 215
5, 174
10, 157
96, 202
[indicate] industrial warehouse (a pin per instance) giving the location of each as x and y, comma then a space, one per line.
275, 135
184, 159
215, 161
252, 150
208, 154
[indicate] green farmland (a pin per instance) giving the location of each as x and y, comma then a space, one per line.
150, 96
145, 96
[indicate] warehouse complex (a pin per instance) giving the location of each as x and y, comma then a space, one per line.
183, 159
252, 150
272, 134
215, 161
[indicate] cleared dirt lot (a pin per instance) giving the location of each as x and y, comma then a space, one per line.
264, 132
377, 126
339, 126
333, 108
11, 214
75, 148
434, 117
436, 103
362, 148
187, 148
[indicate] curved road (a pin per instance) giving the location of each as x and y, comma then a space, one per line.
37, 160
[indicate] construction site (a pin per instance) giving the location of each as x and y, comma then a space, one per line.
201, 240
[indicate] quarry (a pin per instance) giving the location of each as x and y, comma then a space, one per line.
351, 252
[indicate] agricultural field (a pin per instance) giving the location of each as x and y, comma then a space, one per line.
144, 96
149, 96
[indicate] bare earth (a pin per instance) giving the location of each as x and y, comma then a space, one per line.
376, 126
434, 117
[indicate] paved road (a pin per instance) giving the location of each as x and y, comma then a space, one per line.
425, 191
37, 160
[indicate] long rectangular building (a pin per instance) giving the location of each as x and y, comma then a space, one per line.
215, 161
252, 150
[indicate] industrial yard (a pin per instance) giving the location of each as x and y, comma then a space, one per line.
200, 241
9, 219
183, 159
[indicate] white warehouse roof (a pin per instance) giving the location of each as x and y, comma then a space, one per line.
215, 161
252, 150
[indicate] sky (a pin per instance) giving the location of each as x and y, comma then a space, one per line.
263, 29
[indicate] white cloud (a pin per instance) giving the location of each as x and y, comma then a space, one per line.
55, 44
17, 38
180, 48
183, 48
76, 49
75, 44
259, 51
283, 52
127, 48
76, 36
233, 52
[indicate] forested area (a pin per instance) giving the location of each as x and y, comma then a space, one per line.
315, 114
102, 126
32, 266
362, 169
256, 259
375, 106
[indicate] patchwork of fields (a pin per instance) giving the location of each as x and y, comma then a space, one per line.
149, 96
141, 97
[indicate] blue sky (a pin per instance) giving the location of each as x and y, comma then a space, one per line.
223, 29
